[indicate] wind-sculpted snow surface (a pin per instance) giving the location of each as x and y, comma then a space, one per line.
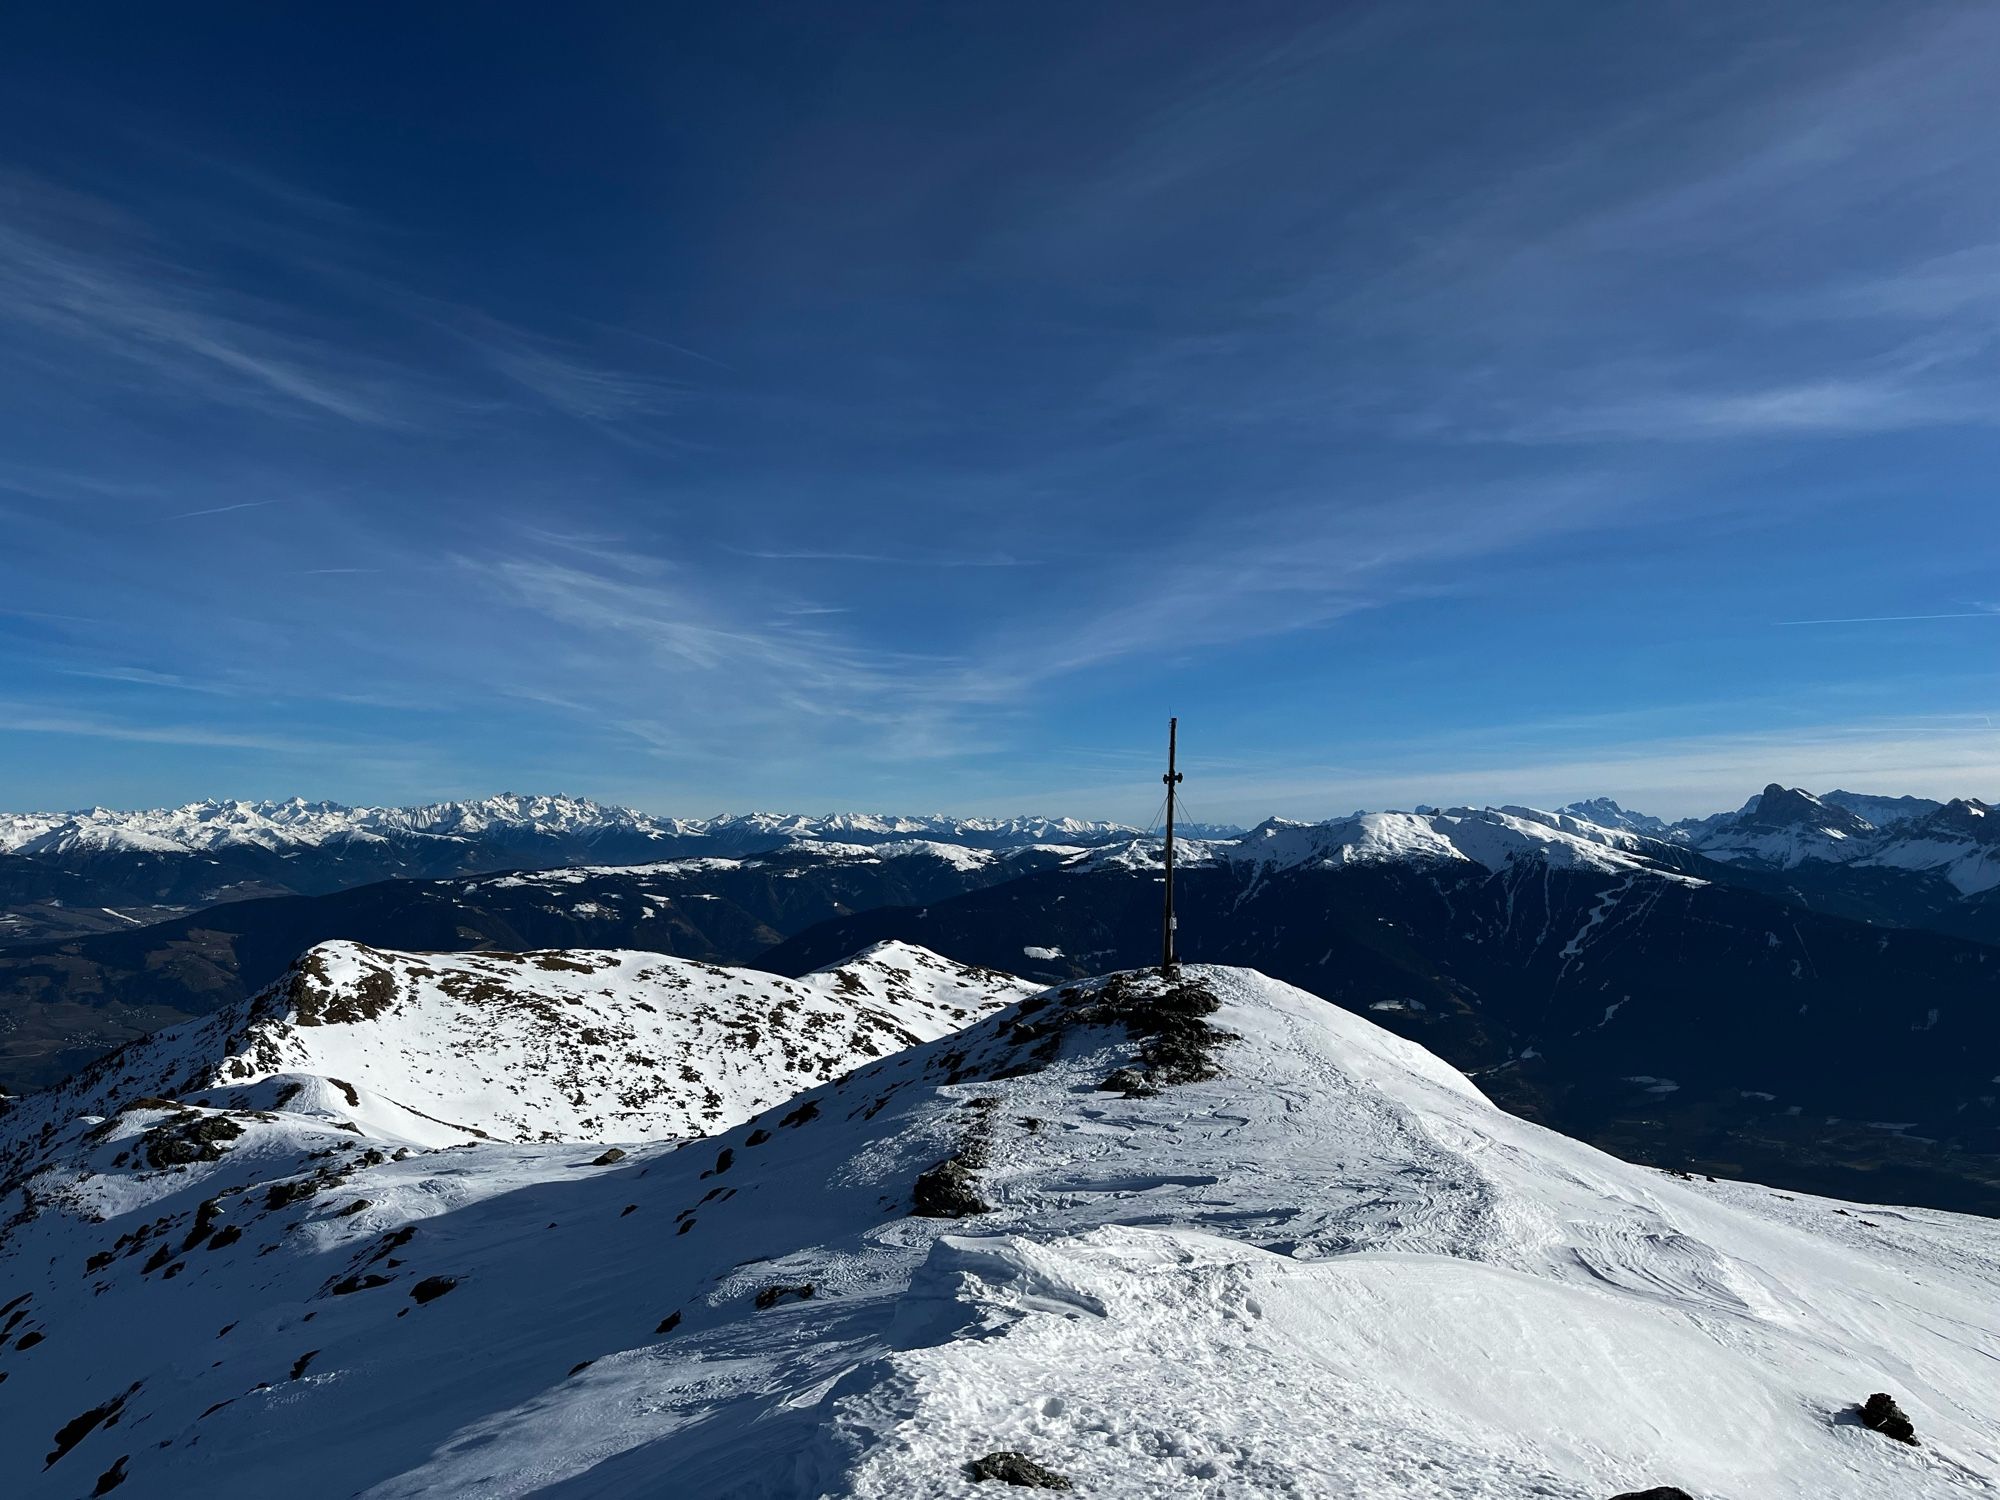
440, 1049
1333, 1269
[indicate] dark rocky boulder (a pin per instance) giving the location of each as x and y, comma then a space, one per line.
189, 1138
1880, 1413
1017, 1469
949, 1191
1658, 1492
1130, 1082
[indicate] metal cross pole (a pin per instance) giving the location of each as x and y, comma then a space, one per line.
1173, 777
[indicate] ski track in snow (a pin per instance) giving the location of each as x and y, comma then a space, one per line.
1606, 902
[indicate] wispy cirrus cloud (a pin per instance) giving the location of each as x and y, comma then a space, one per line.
889, 559
649, 633
1665, 277
109, 283
636, 626
148, 677
74, 269
555, 373
32, 718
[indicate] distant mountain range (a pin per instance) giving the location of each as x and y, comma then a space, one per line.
72, 874
298, 824
1897, 862
1794, 990
1713, 999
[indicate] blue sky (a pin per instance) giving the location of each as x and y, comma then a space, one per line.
911, 406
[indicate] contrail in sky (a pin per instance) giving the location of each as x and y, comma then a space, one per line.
217, 510
1968, 614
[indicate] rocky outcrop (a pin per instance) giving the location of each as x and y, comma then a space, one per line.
1880, 1413
1017, 1469
949, 1191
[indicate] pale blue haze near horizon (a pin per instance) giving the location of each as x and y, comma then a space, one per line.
908, 407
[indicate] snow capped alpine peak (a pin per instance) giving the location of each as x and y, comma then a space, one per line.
1788, 807
295, 823
976, 1245
1783, 827
1959, 842
1966, 815
1605, 813
1364, 838
1882, 812
434, 1049
1496, 837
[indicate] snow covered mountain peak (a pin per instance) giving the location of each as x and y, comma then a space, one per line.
297, 824
1499, 838
1494, 837
1784, 826
1605, 813
1780, 806
439, 1049
977, 1245
1882, 812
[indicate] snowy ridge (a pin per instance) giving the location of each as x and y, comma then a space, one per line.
873, 828
1783, 828
297, 824
442, 1049
1882, 811
958, 856
1497, 838
1606, 813
1335, 1269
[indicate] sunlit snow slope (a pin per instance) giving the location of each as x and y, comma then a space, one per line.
1333, 1270
434, 1049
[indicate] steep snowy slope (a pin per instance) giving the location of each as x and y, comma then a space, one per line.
1881, 811
1958, 843
438, 1049
1784, 827
1330, 1269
